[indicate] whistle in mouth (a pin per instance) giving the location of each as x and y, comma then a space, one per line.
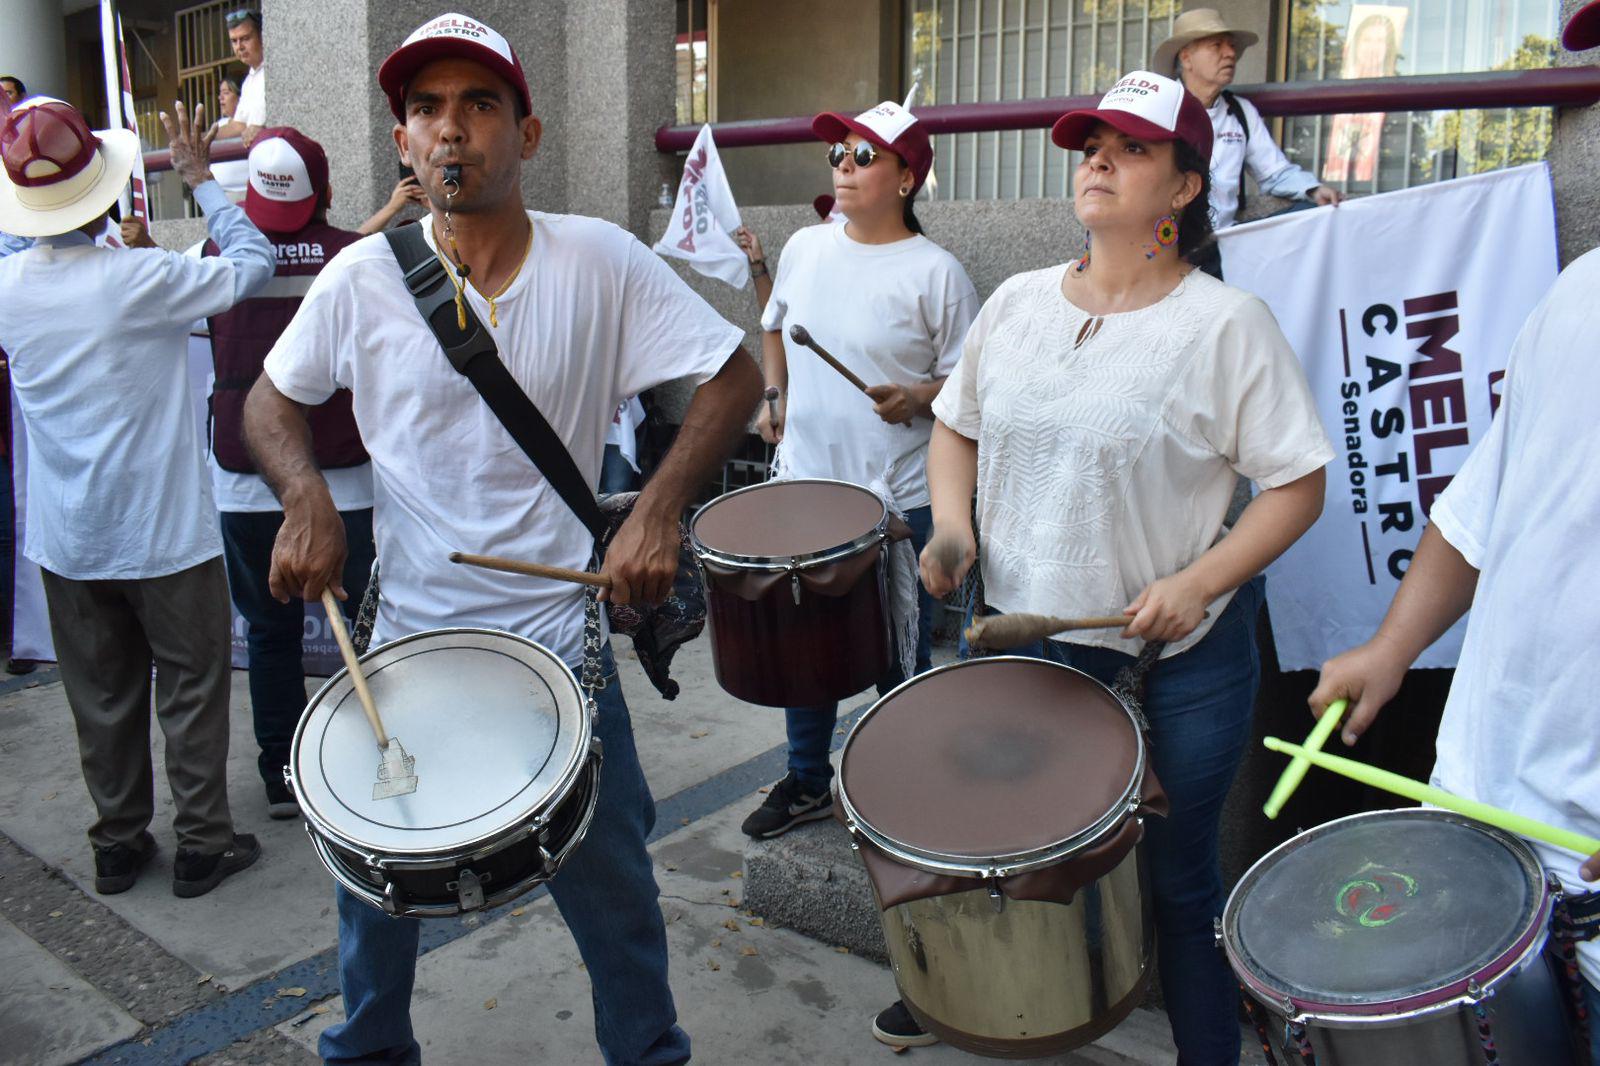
452, 174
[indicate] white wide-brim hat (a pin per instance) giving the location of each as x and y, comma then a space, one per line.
1192, 26
63, 206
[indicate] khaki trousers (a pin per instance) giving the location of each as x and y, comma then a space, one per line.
108, 635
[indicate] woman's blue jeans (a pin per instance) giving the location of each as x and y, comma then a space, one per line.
606, 892
1199, 707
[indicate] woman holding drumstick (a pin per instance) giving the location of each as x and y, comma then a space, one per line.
892, 306
1102, 410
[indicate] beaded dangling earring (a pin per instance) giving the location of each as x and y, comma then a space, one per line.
1083, 264
1166, 236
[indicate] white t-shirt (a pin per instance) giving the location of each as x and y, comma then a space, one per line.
252, 108
891, 313
1231, 152
592, 318
1104, 468
1519, 729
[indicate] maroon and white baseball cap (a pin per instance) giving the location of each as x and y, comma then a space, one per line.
58, 174
888, 126
1583, 31
450, 35
288, 177
1143, 105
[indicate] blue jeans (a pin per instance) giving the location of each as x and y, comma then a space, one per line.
616, 475
276, 631
810, 729
606, 892
1591, 996
1199, 707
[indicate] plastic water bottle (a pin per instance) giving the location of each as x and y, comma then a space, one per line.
665, 197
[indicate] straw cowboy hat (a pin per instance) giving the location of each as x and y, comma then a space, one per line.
1192, 26
59, 175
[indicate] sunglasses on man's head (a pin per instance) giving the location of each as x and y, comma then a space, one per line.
240, 17
864, 153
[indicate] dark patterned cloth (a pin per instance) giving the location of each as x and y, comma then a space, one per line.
658, 632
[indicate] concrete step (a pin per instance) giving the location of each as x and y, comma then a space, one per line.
811, 881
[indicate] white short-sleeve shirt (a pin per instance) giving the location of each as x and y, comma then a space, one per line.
892, 313
1104, 467
1519, 728
592, 318
252, 108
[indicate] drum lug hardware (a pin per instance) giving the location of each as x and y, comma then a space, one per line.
1216, 932
469, 888
391, 900
996, 897
794, 585
547, 860
1474, 990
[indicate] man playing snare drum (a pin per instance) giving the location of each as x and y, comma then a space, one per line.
1514, 539
584, 316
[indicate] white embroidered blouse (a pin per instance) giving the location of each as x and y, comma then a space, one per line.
1106, 465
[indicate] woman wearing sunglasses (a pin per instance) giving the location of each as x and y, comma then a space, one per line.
1103, 410
892, 306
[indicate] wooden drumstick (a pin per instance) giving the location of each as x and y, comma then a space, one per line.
395, 773
517, 566
999, 631
802, 336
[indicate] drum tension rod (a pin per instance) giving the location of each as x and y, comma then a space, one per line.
996, 897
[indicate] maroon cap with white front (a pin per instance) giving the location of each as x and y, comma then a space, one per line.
288, 177
1142, 105
888, 126
446, 36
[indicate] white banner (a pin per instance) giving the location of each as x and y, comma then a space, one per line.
1403, 308
703, 217
119, 104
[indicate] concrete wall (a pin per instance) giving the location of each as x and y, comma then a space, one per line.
783, 59
1572, 162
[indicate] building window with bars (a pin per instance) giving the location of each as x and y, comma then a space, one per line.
1380, 152
694, 61
979, 51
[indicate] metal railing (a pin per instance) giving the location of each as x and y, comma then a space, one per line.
1553, 87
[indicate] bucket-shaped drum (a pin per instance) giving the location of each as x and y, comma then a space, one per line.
507, 769
795, 590
1397, 938
998, 806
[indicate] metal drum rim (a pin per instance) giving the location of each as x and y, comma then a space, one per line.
1487, 978
1000, 865
784, 563
581, 753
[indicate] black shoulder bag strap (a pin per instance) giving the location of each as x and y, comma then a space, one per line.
473, 353
1237, 111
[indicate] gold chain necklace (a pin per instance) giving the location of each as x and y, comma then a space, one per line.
460, 274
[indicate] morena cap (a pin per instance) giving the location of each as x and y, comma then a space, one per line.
889, 126
444, 36
1143, 105
288, 177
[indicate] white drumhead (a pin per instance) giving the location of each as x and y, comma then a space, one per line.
497, 725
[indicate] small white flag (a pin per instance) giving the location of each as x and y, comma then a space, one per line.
704, 216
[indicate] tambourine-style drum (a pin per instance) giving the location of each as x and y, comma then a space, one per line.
1397, 938
998, 805
507, 768
796, 590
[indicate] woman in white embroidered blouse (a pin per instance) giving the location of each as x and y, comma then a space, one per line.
1102, 410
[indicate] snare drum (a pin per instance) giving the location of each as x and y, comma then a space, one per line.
1398, 938
795, 590
507, 768
998, 805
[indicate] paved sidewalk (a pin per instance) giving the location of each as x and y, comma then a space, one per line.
247, 974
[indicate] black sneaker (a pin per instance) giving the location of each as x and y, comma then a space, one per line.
21, 666
117, 867
194, 873
786, 806
281, 803
895, 1026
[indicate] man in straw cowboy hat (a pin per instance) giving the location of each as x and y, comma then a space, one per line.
1203, 53
119, 509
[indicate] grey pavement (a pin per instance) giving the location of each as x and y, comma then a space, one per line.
247, 973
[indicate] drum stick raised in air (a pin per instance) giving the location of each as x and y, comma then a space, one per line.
999, 631
517, 566
396, 775
1518, 824
1296, 770
803, 336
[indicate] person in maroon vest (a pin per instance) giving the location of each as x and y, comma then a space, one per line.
287, 199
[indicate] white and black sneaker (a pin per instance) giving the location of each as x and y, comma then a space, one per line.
895, 1026
785, 807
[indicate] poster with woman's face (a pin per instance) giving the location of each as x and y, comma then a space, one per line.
1371, 50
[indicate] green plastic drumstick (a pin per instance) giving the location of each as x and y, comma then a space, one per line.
1438, 797
1298, 766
